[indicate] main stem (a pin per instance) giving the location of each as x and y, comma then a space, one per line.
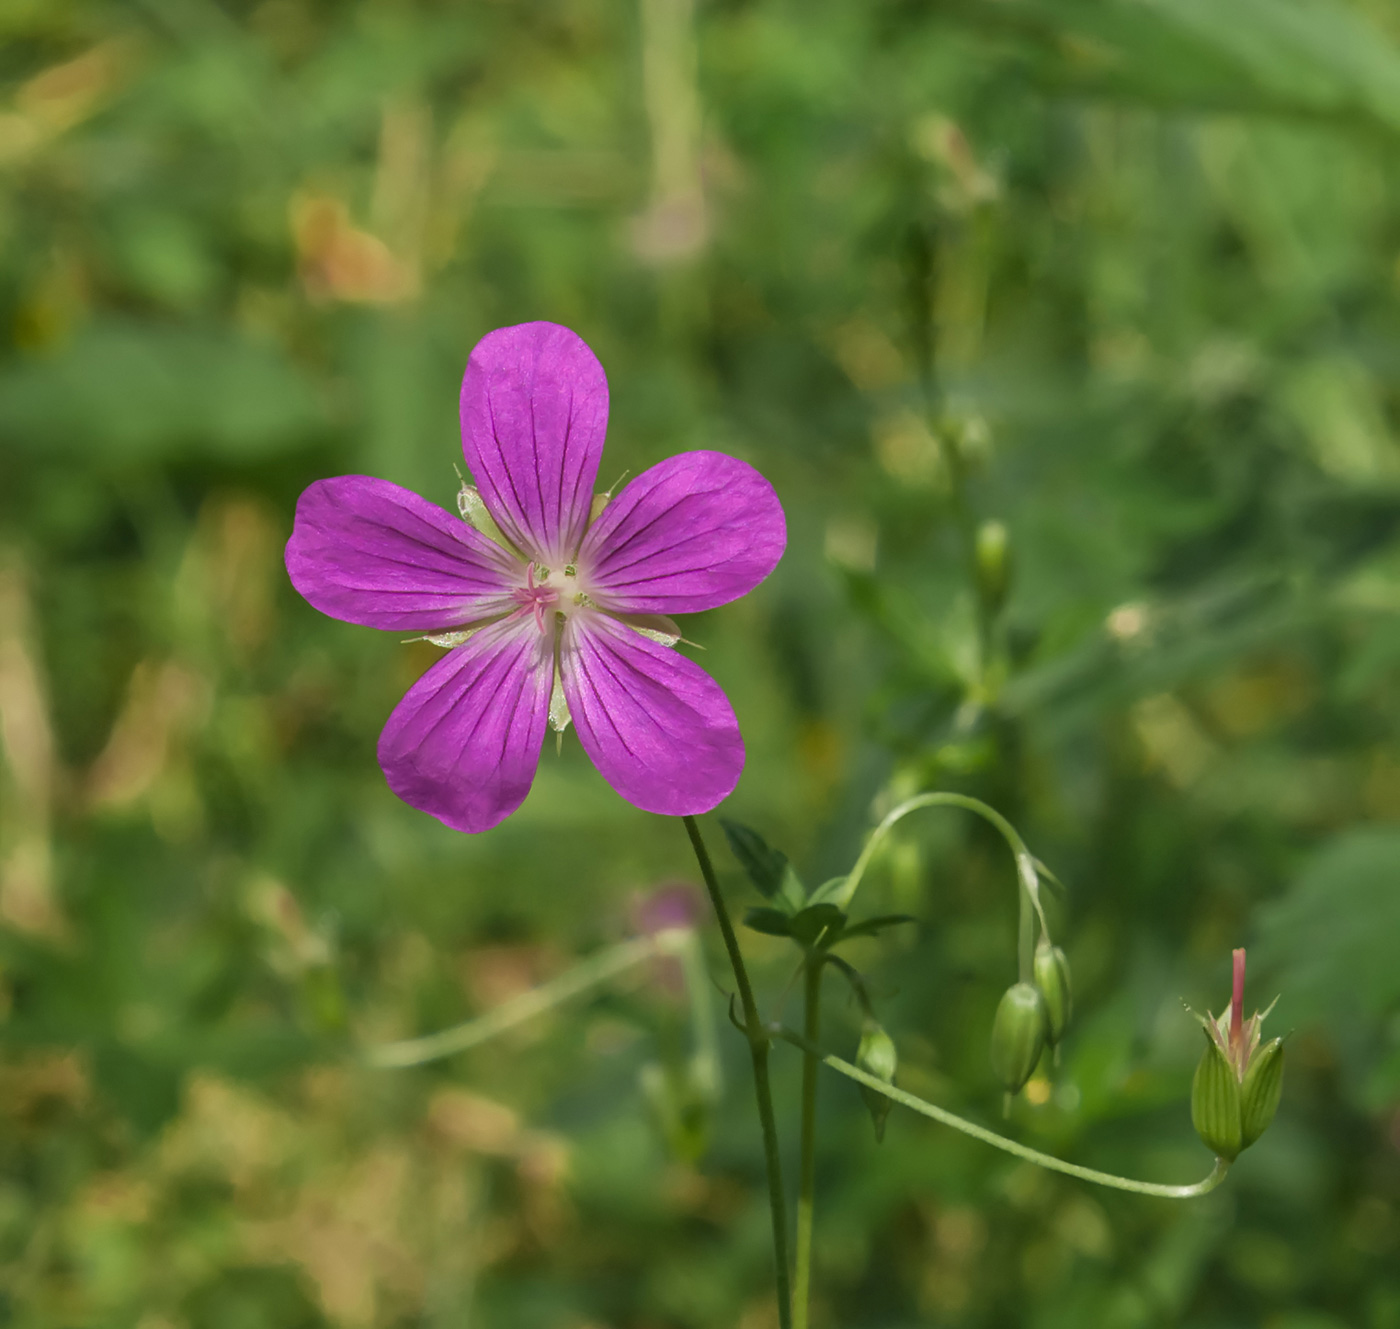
807, 1176
758, 1038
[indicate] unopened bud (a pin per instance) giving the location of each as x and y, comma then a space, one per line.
1052, 978
1236, 1089
1018, 1035
877, 1056
993, 554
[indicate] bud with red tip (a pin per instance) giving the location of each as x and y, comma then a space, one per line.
1236, 1089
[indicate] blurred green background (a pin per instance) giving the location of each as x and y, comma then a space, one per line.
1121, 274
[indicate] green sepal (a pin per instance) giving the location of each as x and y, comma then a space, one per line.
1018, 1035
767, 868
1215, 1103
474, 512
1259, 1094
772, 922
1052, 978
877, 1056
818, 925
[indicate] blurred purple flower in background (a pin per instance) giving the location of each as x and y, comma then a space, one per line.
551, 598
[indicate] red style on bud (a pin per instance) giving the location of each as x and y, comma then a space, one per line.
1236, 1089
1237, 1004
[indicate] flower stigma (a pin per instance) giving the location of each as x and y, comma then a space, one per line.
546, 588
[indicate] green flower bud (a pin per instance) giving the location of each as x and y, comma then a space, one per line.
993, 554
1236, 1089
1259, 1095
1018, 1035
1215, 1103
1052, 978
877, 1056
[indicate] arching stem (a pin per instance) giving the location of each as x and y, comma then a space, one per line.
1048, 1161
1028, 879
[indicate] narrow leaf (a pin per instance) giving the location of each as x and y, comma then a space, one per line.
869, 927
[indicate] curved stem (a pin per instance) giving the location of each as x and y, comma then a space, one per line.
595, 969
1049, 1161
807, 1175
758, 1039
1025, 860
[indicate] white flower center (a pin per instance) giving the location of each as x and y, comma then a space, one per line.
552, 591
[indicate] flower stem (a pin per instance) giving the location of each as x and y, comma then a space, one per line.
807, 1175
596, 969
1048, 1161
1028, 877
758, 1038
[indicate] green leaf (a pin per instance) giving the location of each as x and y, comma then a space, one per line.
767, 868
129, 390
1292, 57
771, 921
869, 927
818, 923
1328, 945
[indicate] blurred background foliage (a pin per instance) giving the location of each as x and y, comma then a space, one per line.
1121, 274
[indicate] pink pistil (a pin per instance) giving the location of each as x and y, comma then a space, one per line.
1237, 1006
539, 598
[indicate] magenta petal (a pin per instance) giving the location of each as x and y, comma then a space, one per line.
655, 724
691, 533
369, 552
464, 742
534, 412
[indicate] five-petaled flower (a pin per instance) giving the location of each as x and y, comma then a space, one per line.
558, 612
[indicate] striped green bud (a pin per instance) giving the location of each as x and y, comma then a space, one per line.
1236, 1089
1052, 978
1018, 1035
877, 1056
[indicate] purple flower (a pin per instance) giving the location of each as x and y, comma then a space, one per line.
560, 617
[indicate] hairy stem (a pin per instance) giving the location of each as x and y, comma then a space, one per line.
758, 1038
807, 1175
1048, 1161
